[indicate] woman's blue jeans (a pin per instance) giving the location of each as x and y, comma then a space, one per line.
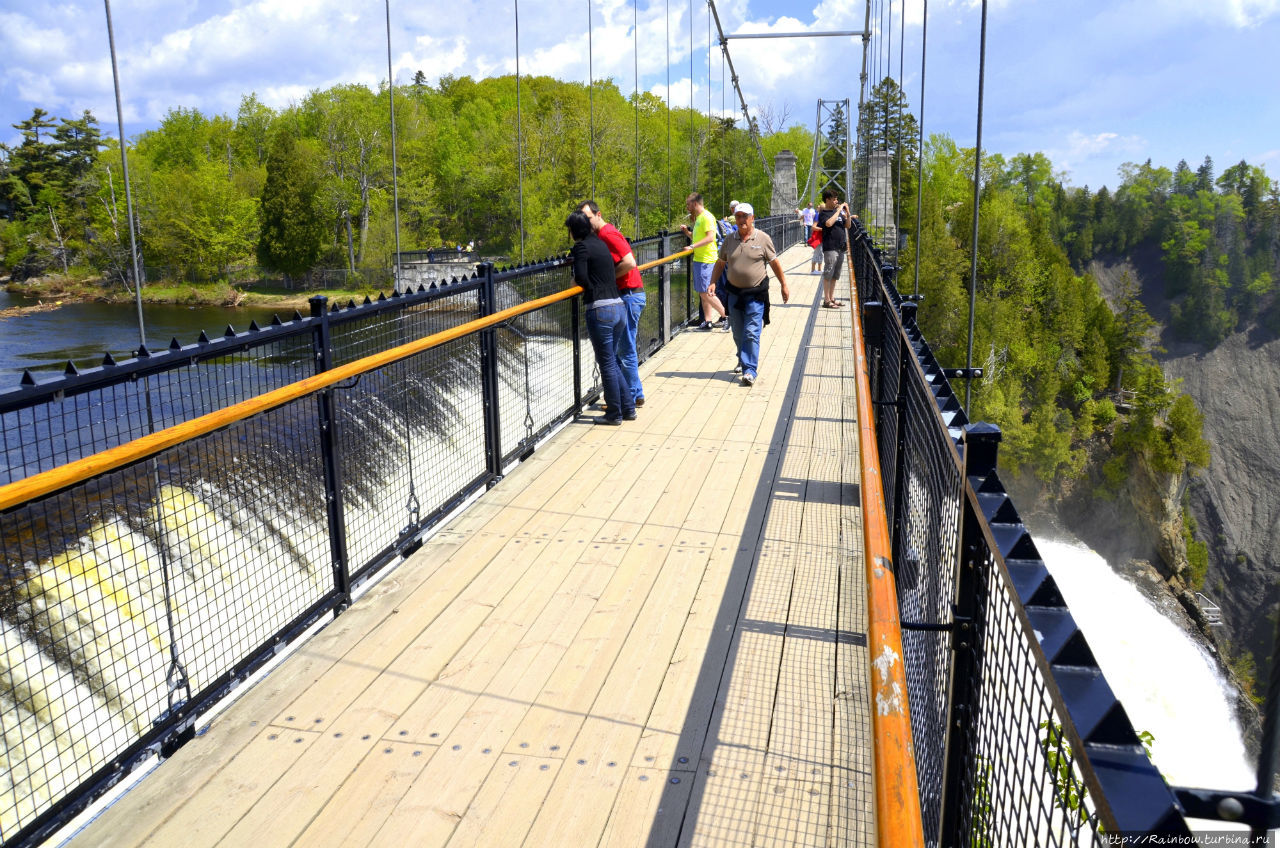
628, 358
606, 325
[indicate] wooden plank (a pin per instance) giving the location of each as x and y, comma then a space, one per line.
385, 671
562, 703
649, 809
211, 813
677, 724
504, 809
359, 808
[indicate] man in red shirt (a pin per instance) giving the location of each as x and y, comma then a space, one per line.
630, 289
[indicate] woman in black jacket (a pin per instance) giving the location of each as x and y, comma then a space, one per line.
606, 319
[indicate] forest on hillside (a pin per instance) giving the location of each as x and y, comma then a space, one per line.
310, 186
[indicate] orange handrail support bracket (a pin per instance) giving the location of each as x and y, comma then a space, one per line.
898, 822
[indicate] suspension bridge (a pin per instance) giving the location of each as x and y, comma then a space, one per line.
802, 612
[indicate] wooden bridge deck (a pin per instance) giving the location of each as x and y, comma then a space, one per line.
644, 635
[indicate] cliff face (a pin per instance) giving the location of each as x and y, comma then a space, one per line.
1236, 501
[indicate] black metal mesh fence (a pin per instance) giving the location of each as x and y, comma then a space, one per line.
995, 760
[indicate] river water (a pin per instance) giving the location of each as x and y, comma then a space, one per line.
1170, 686
83, 332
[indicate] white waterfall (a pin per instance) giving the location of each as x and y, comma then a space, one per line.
1169, 684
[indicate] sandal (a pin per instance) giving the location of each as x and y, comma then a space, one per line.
830, 304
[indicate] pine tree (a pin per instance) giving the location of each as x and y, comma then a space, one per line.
293, 231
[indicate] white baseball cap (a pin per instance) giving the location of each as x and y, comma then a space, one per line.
744, 208
732, 203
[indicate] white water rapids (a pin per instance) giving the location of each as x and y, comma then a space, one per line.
1169, 684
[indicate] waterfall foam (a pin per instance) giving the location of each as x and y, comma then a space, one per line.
1168, 683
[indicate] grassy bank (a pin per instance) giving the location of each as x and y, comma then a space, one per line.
46, 290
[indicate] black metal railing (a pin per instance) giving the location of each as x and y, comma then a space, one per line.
135, 599
1018, 738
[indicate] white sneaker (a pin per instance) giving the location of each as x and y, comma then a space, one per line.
748, 379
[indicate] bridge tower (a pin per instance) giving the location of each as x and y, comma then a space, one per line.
878, 213
833, 157
786, 193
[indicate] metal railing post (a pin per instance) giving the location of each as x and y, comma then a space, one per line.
489, 378
322, 348
664, 289
980, 445
575, 309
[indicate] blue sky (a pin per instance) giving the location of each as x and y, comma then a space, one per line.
1090, 84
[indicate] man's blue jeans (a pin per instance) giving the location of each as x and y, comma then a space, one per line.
628, 359
746, 320
606, 327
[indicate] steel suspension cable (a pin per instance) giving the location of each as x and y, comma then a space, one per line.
395, 183
667, 9
635, 52
591, 103
519, 136
977, 187
693, 169
862, 93
412, 505
901, 157
746, 114
709, 84
176, 675
924, 52
724, 159
886, 10
124, 167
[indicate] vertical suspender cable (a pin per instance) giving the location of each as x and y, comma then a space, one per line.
977, 187
850, 122
176, 675
924, 35
395, 184
887, 10
693, 170
519, 136
667, 213
710, 176
900, 154
724, 158
412, 505
591, 103
124, 166
635, 53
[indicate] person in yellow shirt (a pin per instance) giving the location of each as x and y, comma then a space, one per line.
705, 252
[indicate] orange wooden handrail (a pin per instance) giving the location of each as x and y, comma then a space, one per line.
55, 479
898, 820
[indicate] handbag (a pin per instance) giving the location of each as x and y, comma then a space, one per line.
815, 237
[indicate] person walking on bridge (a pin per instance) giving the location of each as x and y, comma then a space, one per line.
703, 237
631, 290
745, 257
593, 269
834, 220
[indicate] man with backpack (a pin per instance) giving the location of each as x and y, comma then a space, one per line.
706, 247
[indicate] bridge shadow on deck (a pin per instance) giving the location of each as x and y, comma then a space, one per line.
806, 784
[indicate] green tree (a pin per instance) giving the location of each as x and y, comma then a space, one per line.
292, 235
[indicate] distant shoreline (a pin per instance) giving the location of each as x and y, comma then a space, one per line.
51, 292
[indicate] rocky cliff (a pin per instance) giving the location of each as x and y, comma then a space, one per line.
1236, 501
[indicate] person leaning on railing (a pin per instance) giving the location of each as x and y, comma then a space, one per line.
606, 321
745, 259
